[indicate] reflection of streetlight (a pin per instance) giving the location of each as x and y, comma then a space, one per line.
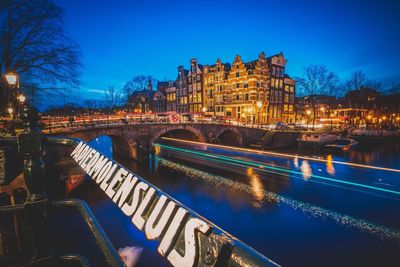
259, 105
204, 109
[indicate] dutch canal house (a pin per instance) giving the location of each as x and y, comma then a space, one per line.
258, 91
142, 101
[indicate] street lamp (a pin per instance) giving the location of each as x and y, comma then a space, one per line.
21, 99
308, 112
10, 111
259, 105
12, 78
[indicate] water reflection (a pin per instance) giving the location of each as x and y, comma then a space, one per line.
296, 162
382, 232
306, 170
256, 186
329, 165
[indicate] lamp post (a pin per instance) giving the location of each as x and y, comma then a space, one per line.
21, 99
259, 105
308, 112
10, 111
12, 80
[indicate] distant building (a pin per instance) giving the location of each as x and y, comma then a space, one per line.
195, 87
281, 92
182, 104
245, 85
171, 100
251, 92
142, 101
214, 80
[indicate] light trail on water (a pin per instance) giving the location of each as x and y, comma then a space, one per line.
385, 233
274, 168
283, 155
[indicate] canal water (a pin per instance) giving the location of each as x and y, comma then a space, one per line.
296, 209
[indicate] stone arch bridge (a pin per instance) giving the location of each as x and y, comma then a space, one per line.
136, 140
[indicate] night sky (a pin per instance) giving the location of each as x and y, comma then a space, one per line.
120, 39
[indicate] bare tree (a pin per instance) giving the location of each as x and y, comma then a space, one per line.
138, 83
112, 97
33, 44
317, 80
356, 80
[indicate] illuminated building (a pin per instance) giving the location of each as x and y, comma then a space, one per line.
182, 105
195, 87
245, 85
214, 80
281, 92
171, 97
251, 92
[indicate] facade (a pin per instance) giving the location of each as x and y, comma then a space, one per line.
182, 104
159, 102
242, 92
171, 100
214, 82
251, 92
281, 92
195, 87
142, 101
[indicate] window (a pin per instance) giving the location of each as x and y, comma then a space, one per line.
237, 73
246, 85
237, 85
246, 97
237, 97
258, 84
281, 84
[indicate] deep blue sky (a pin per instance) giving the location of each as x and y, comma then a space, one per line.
120, 39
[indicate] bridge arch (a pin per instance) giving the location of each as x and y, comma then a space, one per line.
179, 131
120, 146
229, 136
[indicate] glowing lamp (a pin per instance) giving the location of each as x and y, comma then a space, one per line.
11, 78
21, 98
